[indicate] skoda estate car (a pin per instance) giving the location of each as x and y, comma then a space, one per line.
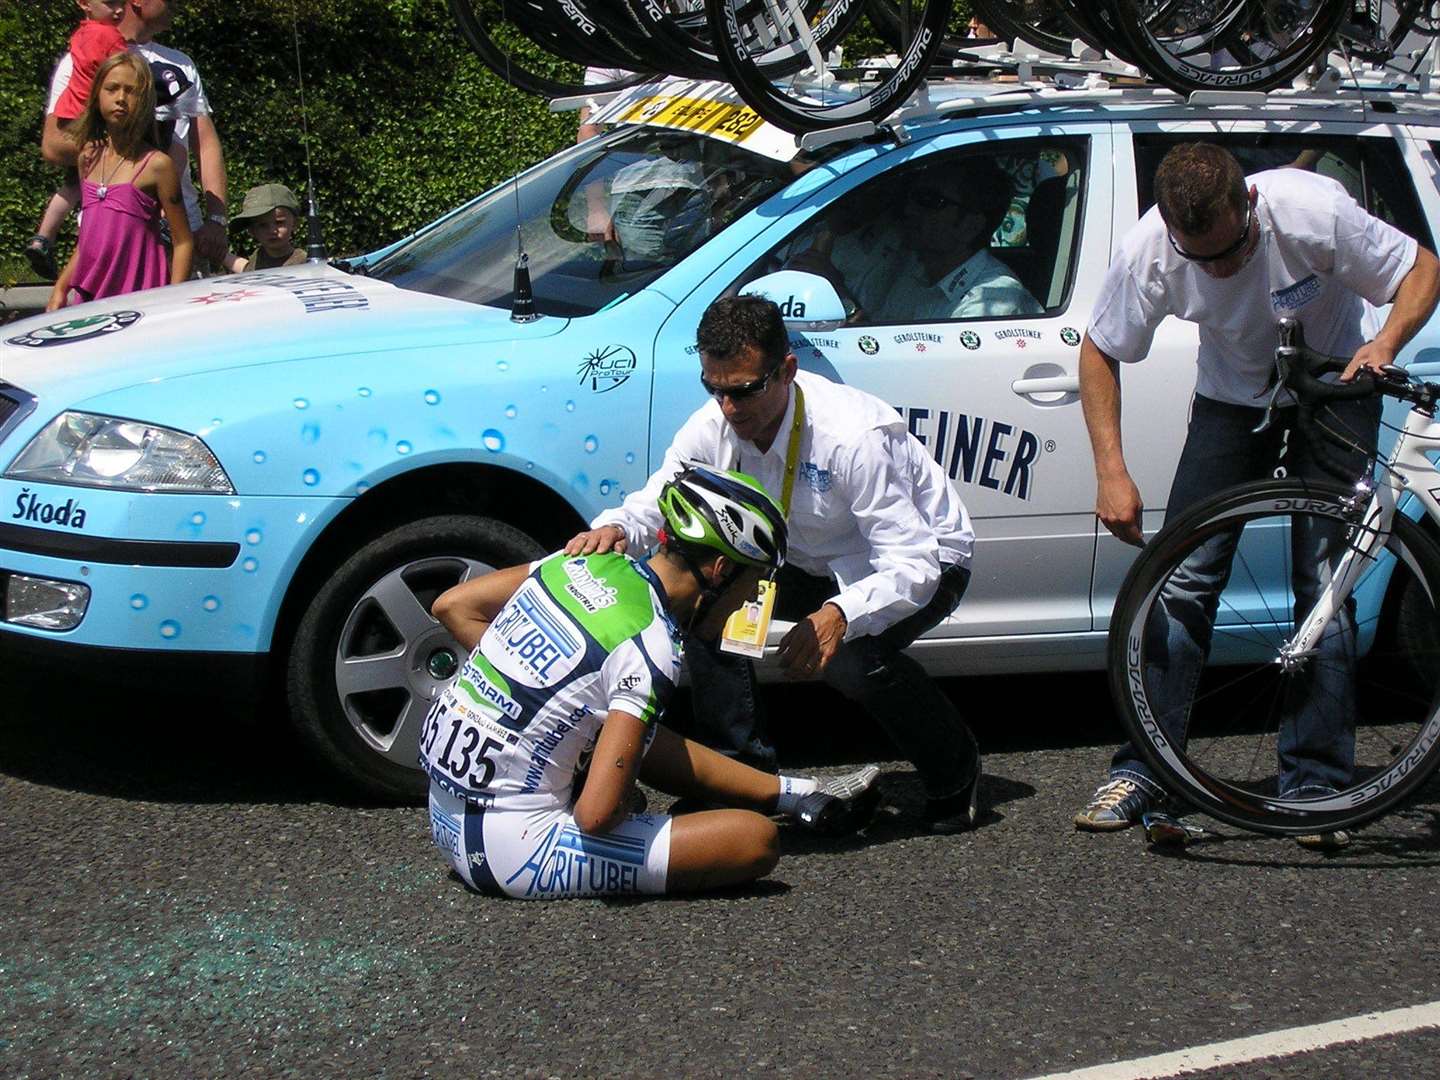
269, 477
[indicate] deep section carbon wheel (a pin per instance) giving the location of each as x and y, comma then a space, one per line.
1237, 690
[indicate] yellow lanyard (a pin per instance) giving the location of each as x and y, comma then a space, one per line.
792, 452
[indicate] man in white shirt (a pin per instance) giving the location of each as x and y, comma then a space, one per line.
181, 107
1236, 254
949, 226
867, 507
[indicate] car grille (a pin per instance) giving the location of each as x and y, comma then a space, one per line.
15, 405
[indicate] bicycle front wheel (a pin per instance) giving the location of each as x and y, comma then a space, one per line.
1227, 721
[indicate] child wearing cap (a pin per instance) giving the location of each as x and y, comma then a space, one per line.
270, 212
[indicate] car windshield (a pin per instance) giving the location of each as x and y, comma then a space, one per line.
598, 222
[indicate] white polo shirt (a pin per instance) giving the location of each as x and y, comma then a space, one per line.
870, 507
1319, 258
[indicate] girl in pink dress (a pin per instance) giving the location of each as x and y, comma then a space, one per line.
126, 185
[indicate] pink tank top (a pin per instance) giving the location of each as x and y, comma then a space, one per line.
119, 248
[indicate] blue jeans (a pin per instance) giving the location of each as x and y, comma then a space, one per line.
1316, 745
873, 671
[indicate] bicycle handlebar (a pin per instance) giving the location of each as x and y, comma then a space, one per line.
1299, 368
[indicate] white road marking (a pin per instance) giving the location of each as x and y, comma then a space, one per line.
1298, 1040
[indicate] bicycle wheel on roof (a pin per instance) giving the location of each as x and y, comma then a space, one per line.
749, 32
522, 43
1225, 44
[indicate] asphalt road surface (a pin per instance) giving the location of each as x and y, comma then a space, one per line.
184, 896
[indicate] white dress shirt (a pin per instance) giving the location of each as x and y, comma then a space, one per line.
870, 507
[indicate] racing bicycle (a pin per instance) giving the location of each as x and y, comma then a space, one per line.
1364, 655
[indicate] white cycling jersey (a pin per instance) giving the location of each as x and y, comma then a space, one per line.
582, 636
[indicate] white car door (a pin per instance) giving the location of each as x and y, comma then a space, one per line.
993, 393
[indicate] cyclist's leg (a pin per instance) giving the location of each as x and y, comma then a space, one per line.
1316, 746
1221, 450
543, 855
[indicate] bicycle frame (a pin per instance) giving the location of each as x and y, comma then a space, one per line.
1409, 469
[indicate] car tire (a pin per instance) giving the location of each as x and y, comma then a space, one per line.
368, 657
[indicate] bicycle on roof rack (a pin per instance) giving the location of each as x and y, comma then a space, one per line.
1271, 652
786, 58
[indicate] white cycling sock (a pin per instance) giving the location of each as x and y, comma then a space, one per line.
792, 790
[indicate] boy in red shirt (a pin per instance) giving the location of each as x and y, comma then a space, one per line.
96, 38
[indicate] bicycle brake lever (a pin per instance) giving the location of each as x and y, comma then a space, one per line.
1282, 373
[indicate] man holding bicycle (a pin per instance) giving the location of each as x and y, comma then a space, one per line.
1234, 255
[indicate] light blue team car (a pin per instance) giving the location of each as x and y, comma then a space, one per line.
267, 478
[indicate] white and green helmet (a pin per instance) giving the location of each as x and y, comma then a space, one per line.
727, 512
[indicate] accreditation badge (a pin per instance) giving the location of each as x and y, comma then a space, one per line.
749, 624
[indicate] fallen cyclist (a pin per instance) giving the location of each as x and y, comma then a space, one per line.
572, 653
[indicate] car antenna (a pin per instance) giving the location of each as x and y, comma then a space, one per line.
522, 304
314, 245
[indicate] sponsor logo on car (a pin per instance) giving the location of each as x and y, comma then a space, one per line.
63, 333
1069, 335
28, 507
1019, 335
868, 345
969, 339
979, 450
608, 367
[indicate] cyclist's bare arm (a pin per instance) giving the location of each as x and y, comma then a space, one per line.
614, 765
1117, 499
468, 609
1413, 304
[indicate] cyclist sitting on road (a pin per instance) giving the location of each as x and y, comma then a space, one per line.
574, 653
1235, 255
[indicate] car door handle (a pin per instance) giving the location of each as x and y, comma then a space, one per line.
1050, 384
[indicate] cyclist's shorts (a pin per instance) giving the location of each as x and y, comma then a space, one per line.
543, 855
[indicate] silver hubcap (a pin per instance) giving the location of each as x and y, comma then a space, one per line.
394, 657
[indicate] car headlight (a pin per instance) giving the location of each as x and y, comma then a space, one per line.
101, 451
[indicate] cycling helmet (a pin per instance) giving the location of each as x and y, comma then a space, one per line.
727, 512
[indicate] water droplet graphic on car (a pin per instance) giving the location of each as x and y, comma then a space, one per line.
630, 457
377, 436
493, 440
503, 365
361, 488
211, 603
511, 412
139, 601
432, 397
253, 537
310, 433
364, 391
169, 629
403, 447
197, 518
259, 456
569, 406
591, 444
301, 403
604, 487
311, 477
250, 565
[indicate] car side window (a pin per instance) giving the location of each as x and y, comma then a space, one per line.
976, 233
1370, 168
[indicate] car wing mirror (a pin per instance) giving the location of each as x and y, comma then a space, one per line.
806, 301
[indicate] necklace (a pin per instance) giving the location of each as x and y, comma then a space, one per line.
105, 180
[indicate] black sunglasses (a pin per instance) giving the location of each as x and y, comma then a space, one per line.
930, 199
1229, 251
744, 390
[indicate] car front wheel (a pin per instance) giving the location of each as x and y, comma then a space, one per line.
368, 657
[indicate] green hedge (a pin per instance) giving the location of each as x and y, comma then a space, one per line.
404, 120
